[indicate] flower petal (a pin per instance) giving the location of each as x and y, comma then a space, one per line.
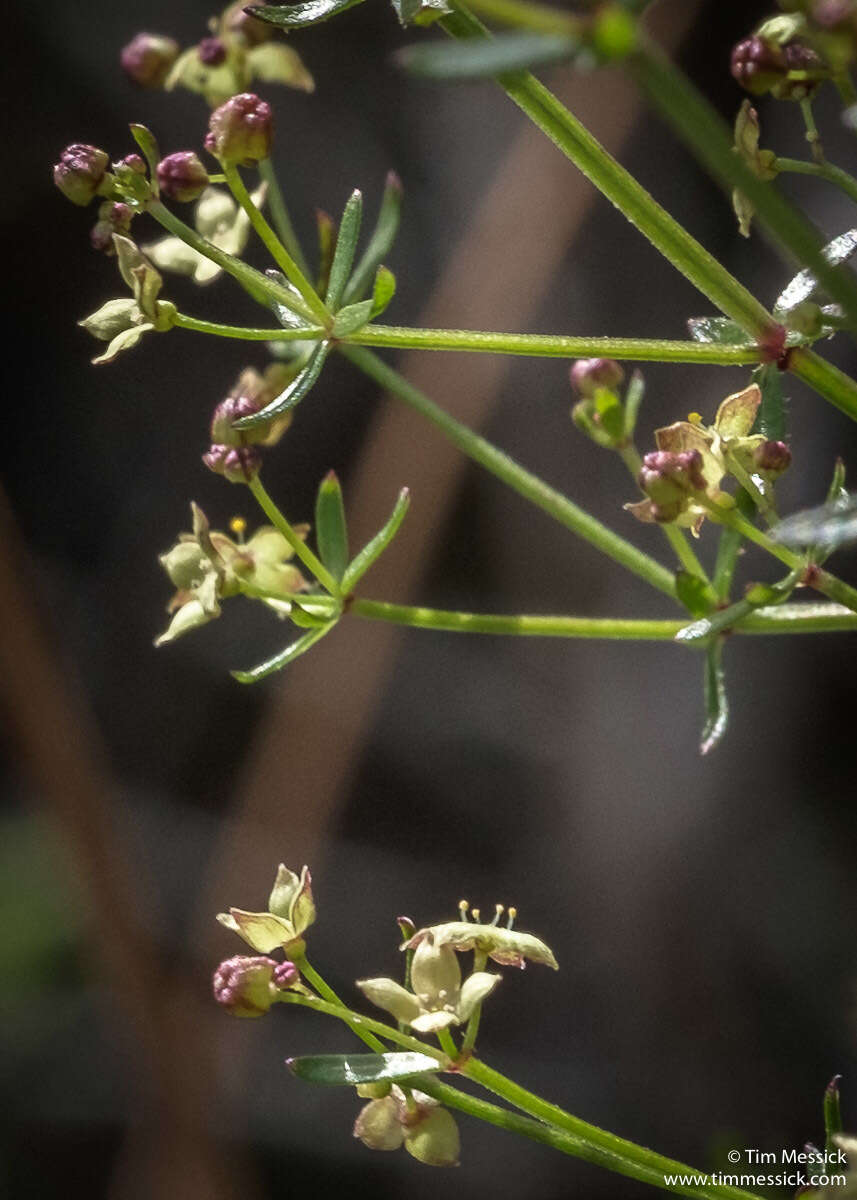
263, 931
737, 414
431, 1022
391, 996
474, 990
503, 945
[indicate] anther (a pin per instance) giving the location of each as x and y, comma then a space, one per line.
510, 916
463, 906
238, 526
498, 912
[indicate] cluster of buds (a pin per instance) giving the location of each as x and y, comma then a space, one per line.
778, 60
235, 453
207, 566
681, 479
411, 1119
236, 50
600, 412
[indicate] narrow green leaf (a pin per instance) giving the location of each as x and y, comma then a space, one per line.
805, 284
326, 242
721, 331
420, 12
147, 142
477, 58
716, 703
381, 241
383, 290
692, 592
346, 246
377, 545
331, 530
310, 612
633, 399
296, 16
347, 1070
285, 315
832, 1114
351, 318
698, 635
295, 650
771, 417
294, 393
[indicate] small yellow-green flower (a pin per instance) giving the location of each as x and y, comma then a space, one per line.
207, 566
123, 322
220, 221
439, 999
505, 946
291, 911
416, 1121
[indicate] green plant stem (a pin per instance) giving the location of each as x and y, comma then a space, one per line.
352, 1019
447, 1044
513, 475
258, 285
676, 537
327, 993
641, 209
301, 549
836, 387
520, 14
280, 215
821, 170
728, 549
247, 334
706, 134
274, 246
598, 1146
555, 345
812, 134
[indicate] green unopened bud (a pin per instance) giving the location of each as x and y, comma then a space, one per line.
378, 1125
241, 130
434, 1140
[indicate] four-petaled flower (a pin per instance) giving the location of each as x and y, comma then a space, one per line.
220, 221
205, 566
505, 946
439, 999
123, 322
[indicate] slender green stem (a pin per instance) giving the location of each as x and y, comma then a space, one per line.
706, 134
821, 170
835, 588
521, 14
789, 618
728, 549
310, 333
327, 993
447, 1043
836, 387
845, 86
301, 549
555, 345
352, 1019
676, 537
274, 246
280, 215
515, 476
812, 134
598, 1146
263, 289
641, 209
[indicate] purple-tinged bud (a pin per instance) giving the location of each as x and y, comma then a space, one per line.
252, 392
148, 57
228, 411
833, 14
238, 464
286, 974
757, 65
772, 457
80, 172
669, 480
245, 986
211, 51
182, 177
112, 218
133, 162
589, 374
241, 130
238, 20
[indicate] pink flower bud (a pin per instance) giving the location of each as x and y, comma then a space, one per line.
241, 130
80, 172
589, 374
211, 51
669, 480
112, 218
134, 162
238, 464
148, 57
772, 457
245, 986
757, 65
182, 177
238, 20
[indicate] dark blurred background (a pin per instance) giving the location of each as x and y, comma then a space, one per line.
702, 909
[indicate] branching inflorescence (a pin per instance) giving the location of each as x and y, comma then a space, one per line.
715, 470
